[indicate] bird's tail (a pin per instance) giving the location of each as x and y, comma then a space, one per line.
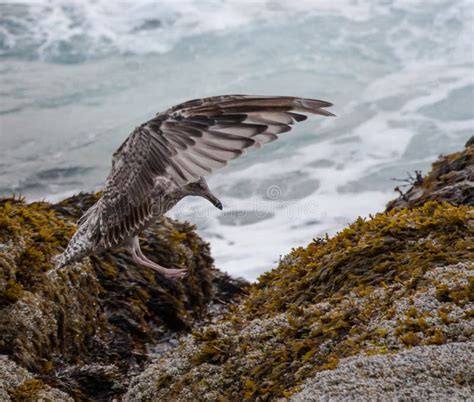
83, 241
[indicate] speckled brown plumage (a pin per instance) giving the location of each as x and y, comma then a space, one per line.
166, 158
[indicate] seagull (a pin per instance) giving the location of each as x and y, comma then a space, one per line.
168, 157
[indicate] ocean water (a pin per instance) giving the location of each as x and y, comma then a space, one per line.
77, 77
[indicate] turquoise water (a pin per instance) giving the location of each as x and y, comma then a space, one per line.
77, 77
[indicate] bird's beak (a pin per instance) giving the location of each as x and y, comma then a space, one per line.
214, 201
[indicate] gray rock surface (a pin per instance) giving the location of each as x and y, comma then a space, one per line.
18, 384
424, 373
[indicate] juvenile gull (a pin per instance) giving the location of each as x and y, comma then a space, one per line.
167, 158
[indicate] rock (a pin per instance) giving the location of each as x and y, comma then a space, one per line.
386, 294
17, 384
398, 280
86, 326
451, 179
424, 373
397, 284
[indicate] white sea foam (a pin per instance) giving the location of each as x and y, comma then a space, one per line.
65, 31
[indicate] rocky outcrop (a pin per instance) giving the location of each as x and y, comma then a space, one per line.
84, 327
424, 373
390, 294
398, 280
451, 179
383, 292
17, 384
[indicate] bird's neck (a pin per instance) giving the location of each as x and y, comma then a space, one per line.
179, 193
173, 197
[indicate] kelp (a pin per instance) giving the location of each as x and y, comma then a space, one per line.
94, 319
390, 282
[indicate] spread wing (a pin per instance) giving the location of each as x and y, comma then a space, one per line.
189, 141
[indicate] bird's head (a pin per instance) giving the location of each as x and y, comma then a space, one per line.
200, 188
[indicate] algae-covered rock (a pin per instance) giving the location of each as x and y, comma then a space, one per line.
451, 179
19, 385
398, 281
83, 327
383, 293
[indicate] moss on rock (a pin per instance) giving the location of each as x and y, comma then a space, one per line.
83, 326
398, 245
395, 282
19, 385
451, 180
398, 280
371, 289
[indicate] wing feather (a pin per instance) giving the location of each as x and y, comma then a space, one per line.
184, 143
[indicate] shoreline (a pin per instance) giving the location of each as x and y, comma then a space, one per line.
104, 329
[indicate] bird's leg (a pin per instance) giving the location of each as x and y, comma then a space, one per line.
139, 258
137, 248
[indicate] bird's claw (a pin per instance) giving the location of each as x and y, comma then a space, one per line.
172, 273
